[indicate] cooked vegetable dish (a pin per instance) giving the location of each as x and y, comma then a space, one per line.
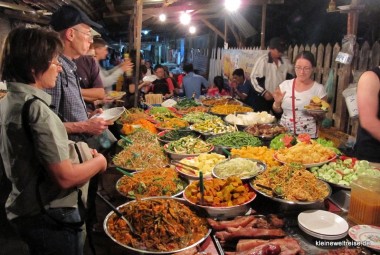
151, 183
162, 225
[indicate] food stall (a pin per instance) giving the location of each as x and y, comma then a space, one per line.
210, 182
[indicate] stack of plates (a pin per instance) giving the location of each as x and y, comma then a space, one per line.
323, 224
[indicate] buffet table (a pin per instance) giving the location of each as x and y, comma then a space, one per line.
261, 207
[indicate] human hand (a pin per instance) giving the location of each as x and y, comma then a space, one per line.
126, 66
102, 160
97, 111
96, 126
278, 96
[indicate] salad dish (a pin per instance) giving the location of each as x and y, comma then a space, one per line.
243, 168
343, 170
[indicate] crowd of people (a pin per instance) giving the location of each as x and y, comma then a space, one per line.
66, 76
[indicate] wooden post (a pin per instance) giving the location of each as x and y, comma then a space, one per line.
225, 30
137, 46
353, 18
352, 27
263, 21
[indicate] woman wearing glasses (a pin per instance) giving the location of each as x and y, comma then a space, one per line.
293, 95
38, 164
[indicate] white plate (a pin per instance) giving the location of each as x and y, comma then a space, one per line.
115, 95
315, 111
323, 222
324, 237
366, 233
150, 78
111, 114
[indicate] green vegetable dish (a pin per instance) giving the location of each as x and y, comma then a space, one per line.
344, 170
196, 117
174, 135
189, 145
235, 140
186, 103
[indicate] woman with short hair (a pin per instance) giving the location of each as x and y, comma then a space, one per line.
44, 181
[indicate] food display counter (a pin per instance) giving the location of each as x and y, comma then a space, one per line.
271, 223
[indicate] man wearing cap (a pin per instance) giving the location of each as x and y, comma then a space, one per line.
74, 27
268, 72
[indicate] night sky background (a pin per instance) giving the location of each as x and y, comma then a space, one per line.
308, 22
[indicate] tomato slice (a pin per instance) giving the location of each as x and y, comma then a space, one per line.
304, 138
287, 140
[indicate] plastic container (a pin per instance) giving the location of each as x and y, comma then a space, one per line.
365, 201
126, 58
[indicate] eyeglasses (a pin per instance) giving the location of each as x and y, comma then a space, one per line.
57, 63
306, 69
89, 35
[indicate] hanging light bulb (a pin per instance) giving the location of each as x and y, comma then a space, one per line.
232, 5
192, 30
162, 17
185, 18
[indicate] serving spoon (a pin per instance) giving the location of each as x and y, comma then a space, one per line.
119, 214
274, 192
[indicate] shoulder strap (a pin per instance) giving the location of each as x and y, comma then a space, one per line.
25, 116
28, 131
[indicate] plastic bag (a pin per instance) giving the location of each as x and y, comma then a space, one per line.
347, 52
330, 87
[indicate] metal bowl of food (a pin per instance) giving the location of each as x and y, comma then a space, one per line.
150, 183
242, 121
243, 168
168, 136
190, 167
187, 147
292, 187
224, 205
157, 215
265, 131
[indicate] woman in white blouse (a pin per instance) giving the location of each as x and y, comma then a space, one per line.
293, 95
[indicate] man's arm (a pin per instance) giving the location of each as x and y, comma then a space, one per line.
368, 103
92, 94
93, 126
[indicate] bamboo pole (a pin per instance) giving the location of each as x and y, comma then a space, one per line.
137, 46
263, 27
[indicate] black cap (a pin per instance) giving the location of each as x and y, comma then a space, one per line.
277, 43
68, 16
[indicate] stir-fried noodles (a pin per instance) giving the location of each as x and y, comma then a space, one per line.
140, 156
293, 182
